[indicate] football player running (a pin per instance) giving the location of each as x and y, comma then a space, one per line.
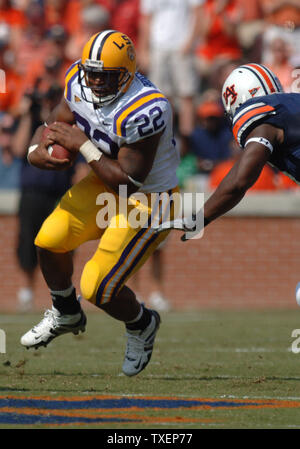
265, 122
122, 125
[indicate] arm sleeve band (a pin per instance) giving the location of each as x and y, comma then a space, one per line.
261, 140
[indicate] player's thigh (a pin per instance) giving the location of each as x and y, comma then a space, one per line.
123, 250
73, 222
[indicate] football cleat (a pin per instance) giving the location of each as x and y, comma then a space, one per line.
139, 346
52, 325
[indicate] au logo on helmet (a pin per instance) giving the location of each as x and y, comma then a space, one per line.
230, 93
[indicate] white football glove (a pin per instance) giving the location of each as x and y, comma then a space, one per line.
192, 226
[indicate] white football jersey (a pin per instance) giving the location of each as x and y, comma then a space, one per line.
139, 113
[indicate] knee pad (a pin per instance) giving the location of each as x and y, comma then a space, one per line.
54, 233
99, 271
95, 284
90, 280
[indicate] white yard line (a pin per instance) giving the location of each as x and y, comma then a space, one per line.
216, 398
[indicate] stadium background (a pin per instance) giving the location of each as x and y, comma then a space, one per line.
248, 259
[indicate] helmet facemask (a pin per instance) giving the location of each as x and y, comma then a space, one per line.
104, 85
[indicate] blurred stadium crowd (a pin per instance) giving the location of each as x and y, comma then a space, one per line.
187, 47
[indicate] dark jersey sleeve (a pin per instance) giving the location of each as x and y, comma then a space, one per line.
248, 116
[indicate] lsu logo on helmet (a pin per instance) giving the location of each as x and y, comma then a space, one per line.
107, 67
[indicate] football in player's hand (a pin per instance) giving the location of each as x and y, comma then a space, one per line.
57, 150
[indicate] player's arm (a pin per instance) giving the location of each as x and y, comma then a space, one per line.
240, 178
134, 161
233, 187
132, 166
38, 154
244, 173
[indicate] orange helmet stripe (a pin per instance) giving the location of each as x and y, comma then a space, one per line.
264, 75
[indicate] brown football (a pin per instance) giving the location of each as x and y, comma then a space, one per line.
57, 150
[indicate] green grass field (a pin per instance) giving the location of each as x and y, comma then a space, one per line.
238, 365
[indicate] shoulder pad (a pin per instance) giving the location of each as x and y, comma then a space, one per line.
70, 76
246, 115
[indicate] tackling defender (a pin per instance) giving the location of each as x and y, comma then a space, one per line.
266, 124
122, 125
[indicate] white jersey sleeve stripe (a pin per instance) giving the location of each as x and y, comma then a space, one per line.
244, 110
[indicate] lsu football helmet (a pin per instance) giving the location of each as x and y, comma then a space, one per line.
107, 67
245, 82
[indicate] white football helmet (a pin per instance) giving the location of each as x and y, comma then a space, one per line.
245, 82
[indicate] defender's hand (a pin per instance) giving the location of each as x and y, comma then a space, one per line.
192, 226
70, 137
41, 158
179, 224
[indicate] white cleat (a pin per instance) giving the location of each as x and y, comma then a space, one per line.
52, 325
140, 346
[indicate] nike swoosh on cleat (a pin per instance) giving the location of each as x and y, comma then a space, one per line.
138, 365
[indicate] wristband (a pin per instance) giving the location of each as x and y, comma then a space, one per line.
30, 150
90, 152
